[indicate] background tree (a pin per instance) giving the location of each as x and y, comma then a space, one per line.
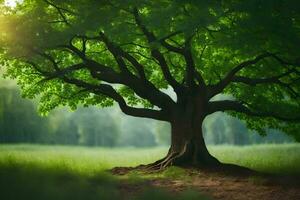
162, 133
18, 119
96, 128
137, 132
20, 123
100, 52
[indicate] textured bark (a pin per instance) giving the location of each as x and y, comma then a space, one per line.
189, 146
187, 149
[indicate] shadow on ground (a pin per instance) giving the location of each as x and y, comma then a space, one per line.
228, 183
19, 182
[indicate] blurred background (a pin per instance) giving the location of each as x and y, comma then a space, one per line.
108, 127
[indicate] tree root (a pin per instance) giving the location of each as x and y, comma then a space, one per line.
163, 163
158, 165
187, 158
179, 159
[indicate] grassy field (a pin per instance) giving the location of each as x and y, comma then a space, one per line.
270, 158
83, 160
63, 172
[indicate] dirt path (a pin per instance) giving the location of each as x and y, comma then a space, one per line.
220, 186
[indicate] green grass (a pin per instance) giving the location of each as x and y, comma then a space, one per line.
66, 172
38, 172
84, 160
268, 158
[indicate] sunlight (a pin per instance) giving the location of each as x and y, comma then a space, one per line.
11, 3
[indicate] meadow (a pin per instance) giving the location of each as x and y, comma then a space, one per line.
68, 172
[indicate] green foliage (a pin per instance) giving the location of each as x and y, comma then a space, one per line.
225, 33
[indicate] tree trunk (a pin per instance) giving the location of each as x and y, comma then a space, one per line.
189, 145
187, 148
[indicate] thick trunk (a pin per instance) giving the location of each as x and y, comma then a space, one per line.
187, 148
188, 144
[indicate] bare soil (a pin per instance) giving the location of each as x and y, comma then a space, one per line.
222, 185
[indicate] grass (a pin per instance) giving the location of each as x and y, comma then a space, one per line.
269, 158
83, 160
281, 159
65, 172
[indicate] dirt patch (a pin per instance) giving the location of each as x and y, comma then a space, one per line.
229, 187
224, 186
121, 170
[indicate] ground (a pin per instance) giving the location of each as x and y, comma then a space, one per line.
222, 186
56, 172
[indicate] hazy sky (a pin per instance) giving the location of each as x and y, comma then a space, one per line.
5, 82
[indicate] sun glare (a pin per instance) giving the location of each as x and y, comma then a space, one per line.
11, 3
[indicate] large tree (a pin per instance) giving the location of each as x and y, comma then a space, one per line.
96, 52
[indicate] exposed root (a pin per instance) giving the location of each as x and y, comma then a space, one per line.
158, 165
176, 159
161, 164
187, 157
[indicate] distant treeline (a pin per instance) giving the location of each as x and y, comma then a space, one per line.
20, 123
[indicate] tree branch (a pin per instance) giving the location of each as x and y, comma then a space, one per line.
220, 86
60, 11
230, 105
270, 80
156, 53
65, 71
144, 89
118, 51
191, 72
109, 91
170, 47
186, 52
103, 89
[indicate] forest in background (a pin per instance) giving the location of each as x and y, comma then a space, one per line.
93, 126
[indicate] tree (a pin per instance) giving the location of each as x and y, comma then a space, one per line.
89, 121
162, 133
137, 132
19, 121
100, 52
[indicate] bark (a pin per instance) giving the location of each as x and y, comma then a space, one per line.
188, 147
188, 144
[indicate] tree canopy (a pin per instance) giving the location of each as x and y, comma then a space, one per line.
96, 52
